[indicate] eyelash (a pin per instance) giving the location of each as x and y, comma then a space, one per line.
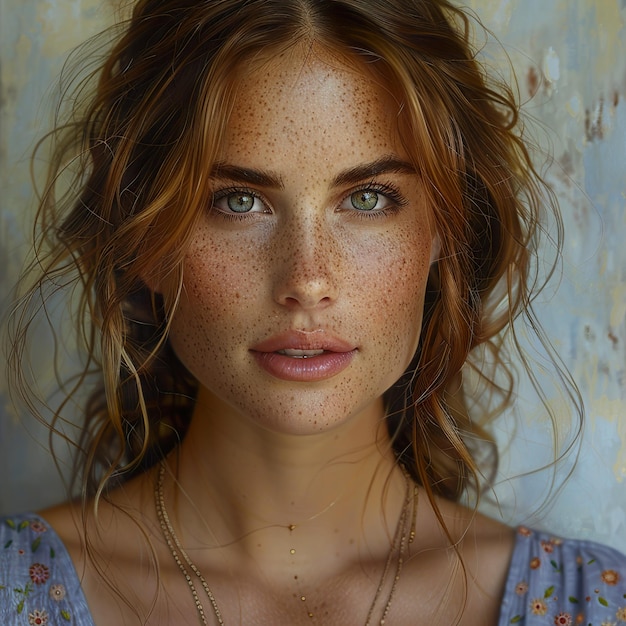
389, 191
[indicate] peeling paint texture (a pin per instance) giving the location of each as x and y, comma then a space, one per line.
570, 60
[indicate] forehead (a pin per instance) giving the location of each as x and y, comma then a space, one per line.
311, 100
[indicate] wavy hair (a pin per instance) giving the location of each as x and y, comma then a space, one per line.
140, 146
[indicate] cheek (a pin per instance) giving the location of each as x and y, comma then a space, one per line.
391, 292
220, 277
397, 271
216, 289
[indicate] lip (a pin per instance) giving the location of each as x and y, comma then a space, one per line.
336, 356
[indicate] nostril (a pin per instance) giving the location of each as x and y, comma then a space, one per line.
305, 299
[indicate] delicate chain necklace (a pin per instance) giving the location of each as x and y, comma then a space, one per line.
190, 570
399, 545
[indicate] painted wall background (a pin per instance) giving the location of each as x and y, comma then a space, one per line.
570, 60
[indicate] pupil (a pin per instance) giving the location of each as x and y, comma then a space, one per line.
364, 200
240, 203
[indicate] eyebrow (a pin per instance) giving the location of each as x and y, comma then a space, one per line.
239, 174
384, 165
262, 178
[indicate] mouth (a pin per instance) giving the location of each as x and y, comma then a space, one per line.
300, 356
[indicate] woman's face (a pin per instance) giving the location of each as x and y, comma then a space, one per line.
304, 282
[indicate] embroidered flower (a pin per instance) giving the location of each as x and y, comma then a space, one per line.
563, 619
610, 577
521, 588
621, 614
37, 618
525, 532
535, 563
580, 618
57, 592
538, 607
38, 526
547, 546
39, 573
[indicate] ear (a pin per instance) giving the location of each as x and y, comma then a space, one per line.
435, 249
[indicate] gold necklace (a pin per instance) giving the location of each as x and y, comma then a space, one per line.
186, 565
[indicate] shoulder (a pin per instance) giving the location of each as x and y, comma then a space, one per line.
38, 582
560, 581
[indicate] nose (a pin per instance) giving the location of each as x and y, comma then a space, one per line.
306, 271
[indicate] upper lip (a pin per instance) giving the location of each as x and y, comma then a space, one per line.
318, 339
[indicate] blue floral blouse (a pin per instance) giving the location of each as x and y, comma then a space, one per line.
550, 582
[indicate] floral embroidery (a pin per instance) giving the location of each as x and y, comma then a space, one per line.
538, 607
38, 573
525, 532
38, 526
57, 592
610, 577
29, 589
553, 597
37, 618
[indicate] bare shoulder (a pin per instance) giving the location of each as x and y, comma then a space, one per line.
487, 549
486, 545
114, 527
65, 520
108, 554
464, 566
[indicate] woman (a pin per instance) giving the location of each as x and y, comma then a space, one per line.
297, 226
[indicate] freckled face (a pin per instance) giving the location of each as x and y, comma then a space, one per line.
304, 283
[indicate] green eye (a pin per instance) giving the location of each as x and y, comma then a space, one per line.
240, 202
364, 200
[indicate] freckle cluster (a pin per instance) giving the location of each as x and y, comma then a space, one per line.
303, 264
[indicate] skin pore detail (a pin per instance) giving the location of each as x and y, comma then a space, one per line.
304, 260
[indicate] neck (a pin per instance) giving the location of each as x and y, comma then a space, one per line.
242, 486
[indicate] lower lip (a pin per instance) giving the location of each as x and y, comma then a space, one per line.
311, 369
